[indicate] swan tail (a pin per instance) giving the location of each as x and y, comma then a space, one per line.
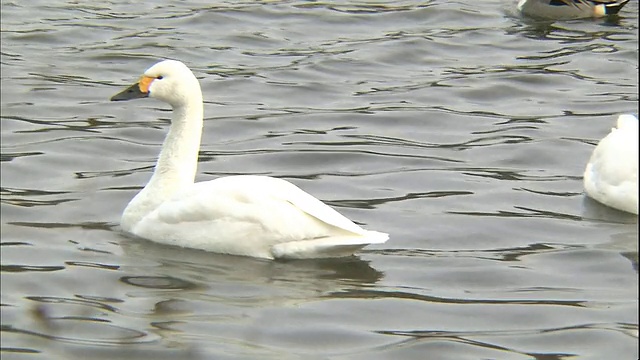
327, 247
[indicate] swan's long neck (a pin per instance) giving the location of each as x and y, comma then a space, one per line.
178, 161
177, 164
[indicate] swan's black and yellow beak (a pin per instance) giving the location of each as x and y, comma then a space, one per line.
135, 91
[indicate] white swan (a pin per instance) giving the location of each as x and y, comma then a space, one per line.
256, 216
611, 176
570, 9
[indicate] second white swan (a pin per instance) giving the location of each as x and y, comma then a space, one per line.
611, 175
249, 215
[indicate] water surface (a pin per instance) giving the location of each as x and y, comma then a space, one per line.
459, 128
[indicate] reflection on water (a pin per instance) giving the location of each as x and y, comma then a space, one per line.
595, 211
309, 277
164, 282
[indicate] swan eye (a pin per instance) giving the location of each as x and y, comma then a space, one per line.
159, 77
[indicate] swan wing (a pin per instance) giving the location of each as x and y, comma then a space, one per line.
254, 189
249, 215
292, 194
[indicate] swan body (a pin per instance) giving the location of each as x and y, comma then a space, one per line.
248, 215
570, 9
611, 176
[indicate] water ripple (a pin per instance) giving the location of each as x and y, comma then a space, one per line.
458, 127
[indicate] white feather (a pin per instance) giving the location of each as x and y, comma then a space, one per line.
611, 176
248, 215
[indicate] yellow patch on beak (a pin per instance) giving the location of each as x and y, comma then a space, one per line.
144, 83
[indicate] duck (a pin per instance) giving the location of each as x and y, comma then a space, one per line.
570, 9
246, 215
611, 175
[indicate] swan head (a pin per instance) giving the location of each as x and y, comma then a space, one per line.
170, 81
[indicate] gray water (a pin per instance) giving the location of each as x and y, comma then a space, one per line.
457, 127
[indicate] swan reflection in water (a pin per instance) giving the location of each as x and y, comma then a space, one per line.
240, 279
